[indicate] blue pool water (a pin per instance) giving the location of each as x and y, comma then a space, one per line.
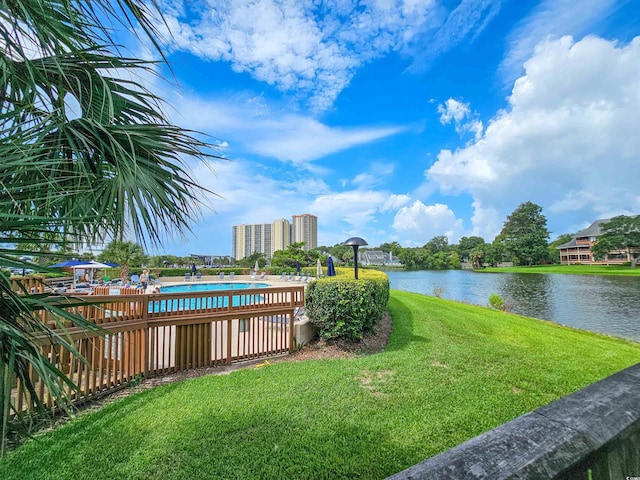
212, 300
208, 287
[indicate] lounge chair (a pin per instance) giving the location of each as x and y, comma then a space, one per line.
187, 277
198, 276
232, 275
262, 275
253, 275
221, 275
283, 276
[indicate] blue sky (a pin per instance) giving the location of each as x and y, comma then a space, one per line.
402, 120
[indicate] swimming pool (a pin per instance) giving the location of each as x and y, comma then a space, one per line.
209, 287
212, 300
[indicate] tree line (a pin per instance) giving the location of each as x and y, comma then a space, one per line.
523, 240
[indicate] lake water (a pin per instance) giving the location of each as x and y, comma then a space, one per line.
604, 304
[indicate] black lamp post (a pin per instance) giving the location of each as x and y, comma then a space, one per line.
355, 242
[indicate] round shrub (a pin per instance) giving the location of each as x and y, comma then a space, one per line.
341, 307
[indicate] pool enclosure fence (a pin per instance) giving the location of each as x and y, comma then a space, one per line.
144, 335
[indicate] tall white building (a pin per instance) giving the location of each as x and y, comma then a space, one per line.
280, 235
305, 229
268, 238
248, 239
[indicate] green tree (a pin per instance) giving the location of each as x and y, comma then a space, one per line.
524, 235
619, 233
287, 258
115, 165
493, 253
393, 247
477, 257
437, 244
126, 254
454, 261
250, 261
468, 244
338, 250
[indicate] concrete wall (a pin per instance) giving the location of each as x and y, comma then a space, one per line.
591, 434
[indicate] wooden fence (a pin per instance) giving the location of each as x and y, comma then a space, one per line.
147, 335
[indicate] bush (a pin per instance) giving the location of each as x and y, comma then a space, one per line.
341, 307
496, 301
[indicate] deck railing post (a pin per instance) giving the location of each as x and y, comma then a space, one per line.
146, 354
229, 335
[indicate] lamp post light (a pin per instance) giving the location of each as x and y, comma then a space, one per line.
355, 242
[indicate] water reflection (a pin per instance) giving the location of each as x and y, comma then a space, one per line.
604, 304
528, 294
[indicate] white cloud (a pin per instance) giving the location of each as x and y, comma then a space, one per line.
293, 138
462, 117
453, 110
419, 223
315, 51
551, 18
568, 140
354, 212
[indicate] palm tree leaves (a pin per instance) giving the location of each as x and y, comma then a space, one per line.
114, 165
119, 162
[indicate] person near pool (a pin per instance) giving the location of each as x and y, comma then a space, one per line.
144, 279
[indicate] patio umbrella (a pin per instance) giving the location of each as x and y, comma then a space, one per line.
331, 270
87, 266
256, 267
318, 269
68, 264
297, 266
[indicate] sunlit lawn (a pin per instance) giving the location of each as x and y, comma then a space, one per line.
568, 269
450, 372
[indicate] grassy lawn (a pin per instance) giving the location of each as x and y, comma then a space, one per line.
450, 372
568, 269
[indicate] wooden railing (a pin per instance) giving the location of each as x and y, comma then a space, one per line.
147, 335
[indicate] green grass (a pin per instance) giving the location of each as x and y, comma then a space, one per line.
568, 269
450, 372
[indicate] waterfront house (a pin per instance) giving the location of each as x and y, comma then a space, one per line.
578, 249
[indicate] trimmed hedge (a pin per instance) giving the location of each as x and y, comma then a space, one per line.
345, 308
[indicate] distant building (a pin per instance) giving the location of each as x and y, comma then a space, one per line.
578, 249
280, 235
378, 258
268, 238
248, 239
305, 229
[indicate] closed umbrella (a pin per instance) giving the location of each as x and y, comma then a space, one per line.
298, 267
318, 269
331, 270
256, 267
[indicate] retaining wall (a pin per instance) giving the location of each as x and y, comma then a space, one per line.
591, 434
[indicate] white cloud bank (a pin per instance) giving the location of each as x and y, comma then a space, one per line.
314, 49
552, 19
568, 140
418, 223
